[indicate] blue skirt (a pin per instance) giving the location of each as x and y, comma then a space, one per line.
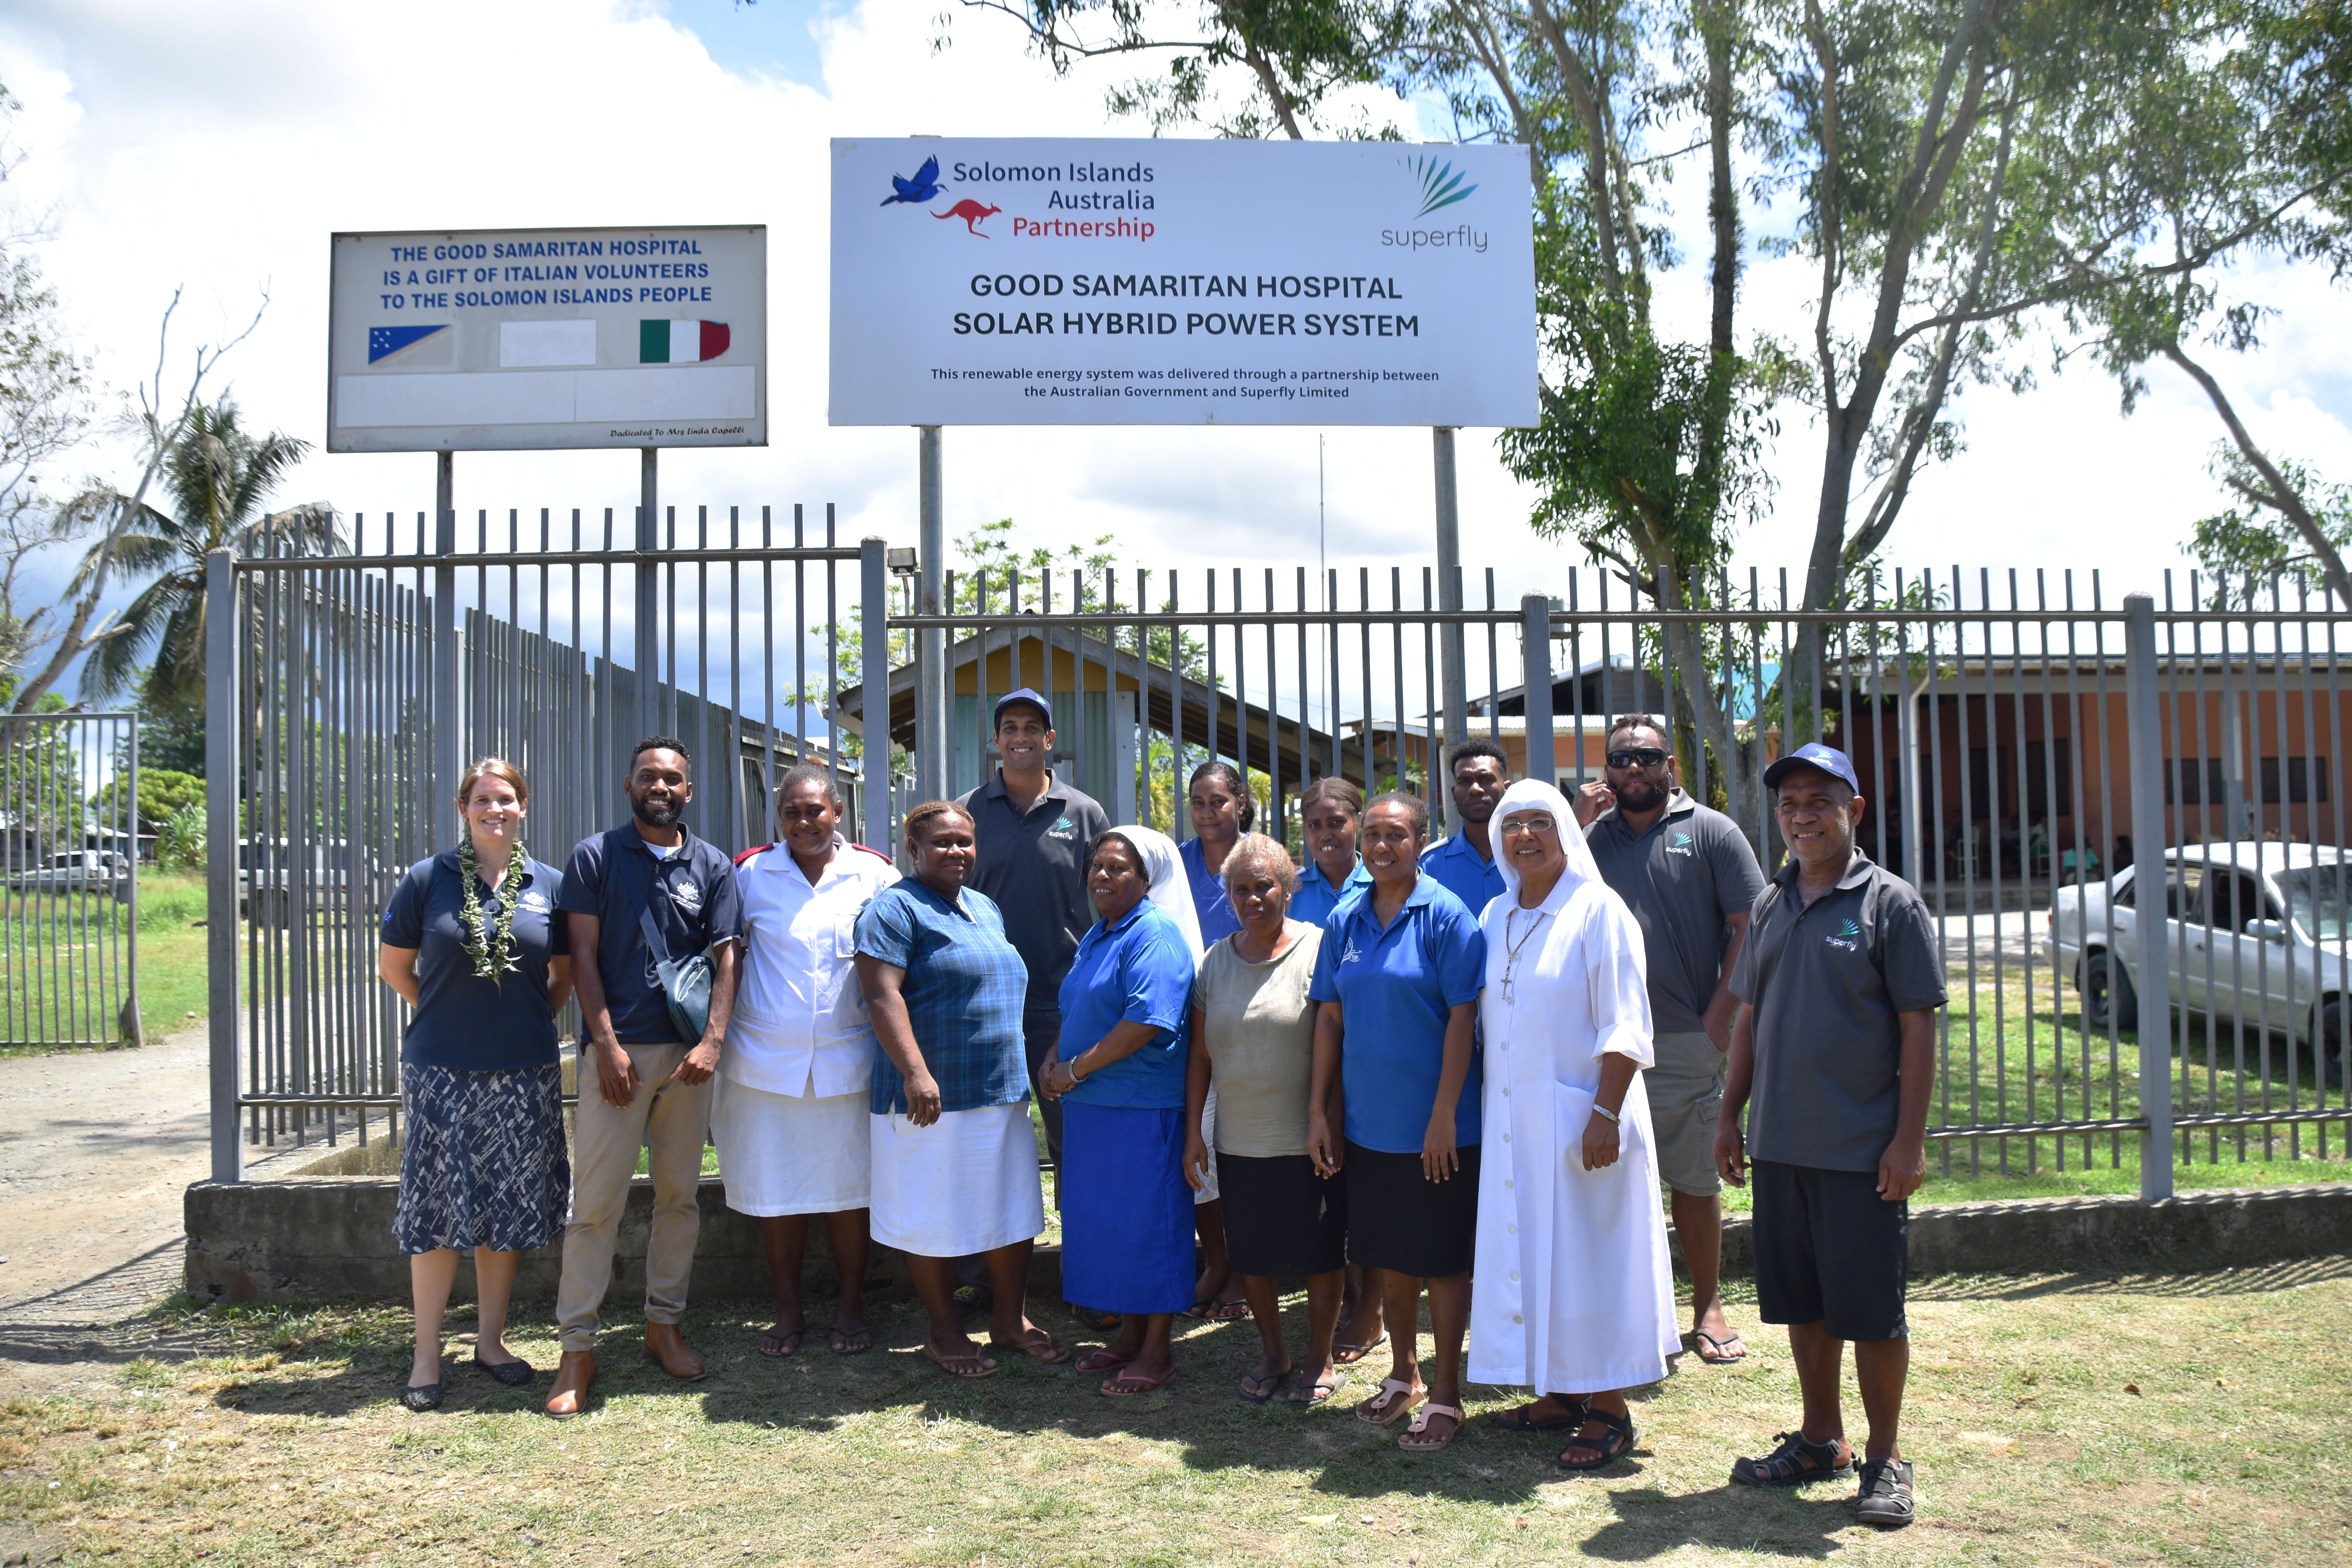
1127, 1210
482, 1162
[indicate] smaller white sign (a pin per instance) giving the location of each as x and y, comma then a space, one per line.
491, 340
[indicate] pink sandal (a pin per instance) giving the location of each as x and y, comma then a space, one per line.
1416, 1438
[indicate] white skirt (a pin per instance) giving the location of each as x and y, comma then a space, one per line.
966, 1184
1208, 1189
779, 1155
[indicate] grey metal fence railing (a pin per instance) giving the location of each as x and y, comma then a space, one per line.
346, 691
69, 849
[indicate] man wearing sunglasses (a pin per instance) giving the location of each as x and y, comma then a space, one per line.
1690, 877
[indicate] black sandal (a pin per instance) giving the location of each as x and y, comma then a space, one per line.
515, 1373
1519, 1421
1611, 1445
1885, 1497
421, 1398
1796, 1460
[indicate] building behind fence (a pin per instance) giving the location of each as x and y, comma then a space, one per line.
2020, 745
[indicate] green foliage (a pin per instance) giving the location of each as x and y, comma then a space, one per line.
2248, 548
171, 725
163, 792
180, 844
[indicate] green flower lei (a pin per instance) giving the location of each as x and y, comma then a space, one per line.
493, 955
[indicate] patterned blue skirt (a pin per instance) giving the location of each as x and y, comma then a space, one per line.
482, 1159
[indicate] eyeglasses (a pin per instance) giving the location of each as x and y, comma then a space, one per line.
1528, 822
1637, 757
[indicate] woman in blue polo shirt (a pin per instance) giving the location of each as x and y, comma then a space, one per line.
1127, 1210
471, 940
1404, 960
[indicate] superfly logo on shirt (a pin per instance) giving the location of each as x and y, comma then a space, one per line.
1681, 845
1849, 937
1063, 828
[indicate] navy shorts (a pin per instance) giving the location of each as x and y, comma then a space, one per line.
1829, 1250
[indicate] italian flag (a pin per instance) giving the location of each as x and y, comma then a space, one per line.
681, 342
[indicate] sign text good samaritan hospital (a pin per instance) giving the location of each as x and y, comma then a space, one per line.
1053, 282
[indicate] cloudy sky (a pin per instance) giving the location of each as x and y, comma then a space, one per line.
217, 146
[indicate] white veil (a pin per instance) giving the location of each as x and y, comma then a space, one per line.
1171, 891
1533, 795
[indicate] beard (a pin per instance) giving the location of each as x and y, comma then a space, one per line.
1641, 794
652, 816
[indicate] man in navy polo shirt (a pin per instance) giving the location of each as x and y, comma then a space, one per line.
647, 890
1839, 982
1464, 863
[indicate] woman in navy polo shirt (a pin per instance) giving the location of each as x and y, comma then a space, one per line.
471, 941
1127, 1210
1404, 960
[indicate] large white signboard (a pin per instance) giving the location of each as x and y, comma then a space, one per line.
497, 339
1166, 283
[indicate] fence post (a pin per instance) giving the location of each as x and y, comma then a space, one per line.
447, 735
931, 645
221, 858
1534, 638
874, 644
2145, 739
1453, 683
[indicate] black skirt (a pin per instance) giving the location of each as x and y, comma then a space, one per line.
1282, 1220
1400, 1219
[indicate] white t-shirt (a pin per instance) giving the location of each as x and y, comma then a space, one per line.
799, 1026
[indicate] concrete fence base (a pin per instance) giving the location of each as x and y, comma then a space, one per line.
316, 1238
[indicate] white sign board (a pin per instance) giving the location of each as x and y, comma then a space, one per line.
1166, 283
493, 339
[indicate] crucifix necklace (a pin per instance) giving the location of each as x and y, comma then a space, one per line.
1511, 957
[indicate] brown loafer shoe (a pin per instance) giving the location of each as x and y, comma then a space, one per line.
573, 1375
668, 1349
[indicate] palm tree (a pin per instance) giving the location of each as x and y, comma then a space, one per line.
216, 476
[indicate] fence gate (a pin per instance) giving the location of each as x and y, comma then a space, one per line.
346, 692
69, 833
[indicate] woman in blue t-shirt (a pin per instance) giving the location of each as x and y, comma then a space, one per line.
471, 941
1402, 961
1127, 1210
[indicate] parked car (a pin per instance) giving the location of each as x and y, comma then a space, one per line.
2255, 932
76, 872
339, 873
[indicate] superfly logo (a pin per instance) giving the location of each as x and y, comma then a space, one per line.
1849, 937
1681, 845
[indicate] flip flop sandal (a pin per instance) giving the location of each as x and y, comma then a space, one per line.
1417, 1438
1127, 1385
1520, 1421
788, 1343
1796, 1461
1089, 1318
1400, 1396
1267, 1387
841, 1338
1319, 1392
1102, 1361
1348, 1355
1044, 1347
1220, 1312
1710, 1341
988, 1368
1611, 1445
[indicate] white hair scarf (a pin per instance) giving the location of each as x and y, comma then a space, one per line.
1534, 795
1170, 889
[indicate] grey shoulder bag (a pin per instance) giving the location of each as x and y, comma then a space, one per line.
685, 982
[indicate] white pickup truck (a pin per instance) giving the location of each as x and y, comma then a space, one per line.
2253, 931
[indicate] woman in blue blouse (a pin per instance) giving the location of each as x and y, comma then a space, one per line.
1127, 1210
471, 940
1404, 960
954, 1160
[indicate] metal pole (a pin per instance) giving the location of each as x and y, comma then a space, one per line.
874, 638
446, 738
132, 1027
930, 645
221, 858
1534, 638
1449, 598
2147, 749
648, 592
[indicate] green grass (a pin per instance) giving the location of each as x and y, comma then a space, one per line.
172, 985
2053, 1420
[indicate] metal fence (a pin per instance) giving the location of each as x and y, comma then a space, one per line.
2031, 752
70, 839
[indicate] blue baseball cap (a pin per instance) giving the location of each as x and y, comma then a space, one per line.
1829, 759
1024, 695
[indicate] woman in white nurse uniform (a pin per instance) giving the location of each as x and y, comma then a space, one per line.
1573, 1295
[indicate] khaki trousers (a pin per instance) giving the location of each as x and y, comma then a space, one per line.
605, 1144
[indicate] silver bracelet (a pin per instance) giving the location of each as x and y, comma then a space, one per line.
1600, 1110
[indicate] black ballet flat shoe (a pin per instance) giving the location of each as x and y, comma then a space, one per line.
420, 1399
515, 1373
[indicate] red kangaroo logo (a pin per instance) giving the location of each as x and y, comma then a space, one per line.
972, 212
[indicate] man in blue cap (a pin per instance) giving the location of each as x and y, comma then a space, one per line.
1032, 830
1839, 982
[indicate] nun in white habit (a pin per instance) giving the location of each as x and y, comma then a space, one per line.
1573, 1295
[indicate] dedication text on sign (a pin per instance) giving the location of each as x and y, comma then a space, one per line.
492, 340
1164, 282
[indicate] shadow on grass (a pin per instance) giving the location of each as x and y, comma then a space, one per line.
1729, 1519
2260, 1279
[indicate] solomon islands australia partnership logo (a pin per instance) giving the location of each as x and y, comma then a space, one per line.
925, 188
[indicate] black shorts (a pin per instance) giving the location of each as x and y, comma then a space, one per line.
1829, 1250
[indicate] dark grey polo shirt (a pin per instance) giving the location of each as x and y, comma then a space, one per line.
1034, 865
1827, 982
1683, 879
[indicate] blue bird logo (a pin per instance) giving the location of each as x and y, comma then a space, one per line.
921, 188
